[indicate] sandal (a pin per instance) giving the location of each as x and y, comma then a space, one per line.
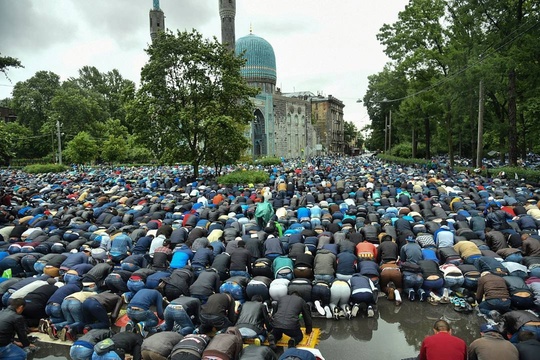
432, 301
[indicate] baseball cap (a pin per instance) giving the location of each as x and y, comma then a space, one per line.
484, 328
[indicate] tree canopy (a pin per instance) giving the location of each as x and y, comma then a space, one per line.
192, 100
440, 52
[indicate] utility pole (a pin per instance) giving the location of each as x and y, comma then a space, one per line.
58, 136
479, 142
390, 131
385, 134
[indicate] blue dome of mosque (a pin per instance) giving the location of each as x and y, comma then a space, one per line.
261, 60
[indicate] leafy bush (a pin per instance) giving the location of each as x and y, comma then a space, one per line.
45, 168
242, 177
268, 161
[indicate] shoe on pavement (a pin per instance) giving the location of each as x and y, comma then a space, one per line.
62, 333
291, 344
328, 312
423, 295
140, 330
272, 341
354, 310
370, 312
336, 313
319, 308
257, 341
130, 327
412, 296
51, 331
70, 335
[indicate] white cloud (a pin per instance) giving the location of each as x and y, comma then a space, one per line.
320, 45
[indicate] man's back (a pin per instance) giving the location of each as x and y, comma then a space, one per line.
443, 346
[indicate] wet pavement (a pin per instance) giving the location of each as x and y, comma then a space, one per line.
394, 333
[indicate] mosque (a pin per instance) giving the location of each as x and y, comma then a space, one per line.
289, 125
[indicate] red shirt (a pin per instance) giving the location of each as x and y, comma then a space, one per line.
443, 346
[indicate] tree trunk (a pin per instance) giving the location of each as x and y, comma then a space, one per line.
512, 121
523, 136
448, 122
428, 137
414, 144
472, 130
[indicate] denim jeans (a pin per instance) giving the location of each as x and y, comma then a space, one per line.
522, 303
236, 290
535, 329
175, 314
71, 278
39, 266
92, 309
517, 258
412, 281
494, 304
115, 283
55, 313
111, 355
147, 317
72, 310
240, 273
12, 352
434, 285
130, 267
452, 282
471, 259
80, 352
134, 286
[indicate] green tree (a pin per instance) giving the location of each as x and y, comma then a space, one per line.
32, 99
82, 149
7, 62
188, 82
20, 140
115, 147
228, 151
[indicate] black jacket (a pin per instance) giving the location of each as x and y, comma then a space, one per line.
12, 323
128, 343
289, 308
253, 316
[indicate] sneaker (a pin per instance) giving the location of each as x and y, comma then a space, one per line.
327, 312
348, 313
41, 326
130, 327
272, 341
390, 291
257, 341
51, 331
370, 311
291, 344
70, 335
495, 315
125, 298
336, 313
354, 310
411, 295
434, 296
319, 308
423, 295
397, 297
140, 329
62, 333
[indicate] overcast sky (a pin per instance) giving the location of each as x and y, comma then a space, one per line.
320, 45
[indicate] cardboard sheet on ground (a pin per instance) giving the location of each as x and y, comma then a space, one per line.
309, 341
